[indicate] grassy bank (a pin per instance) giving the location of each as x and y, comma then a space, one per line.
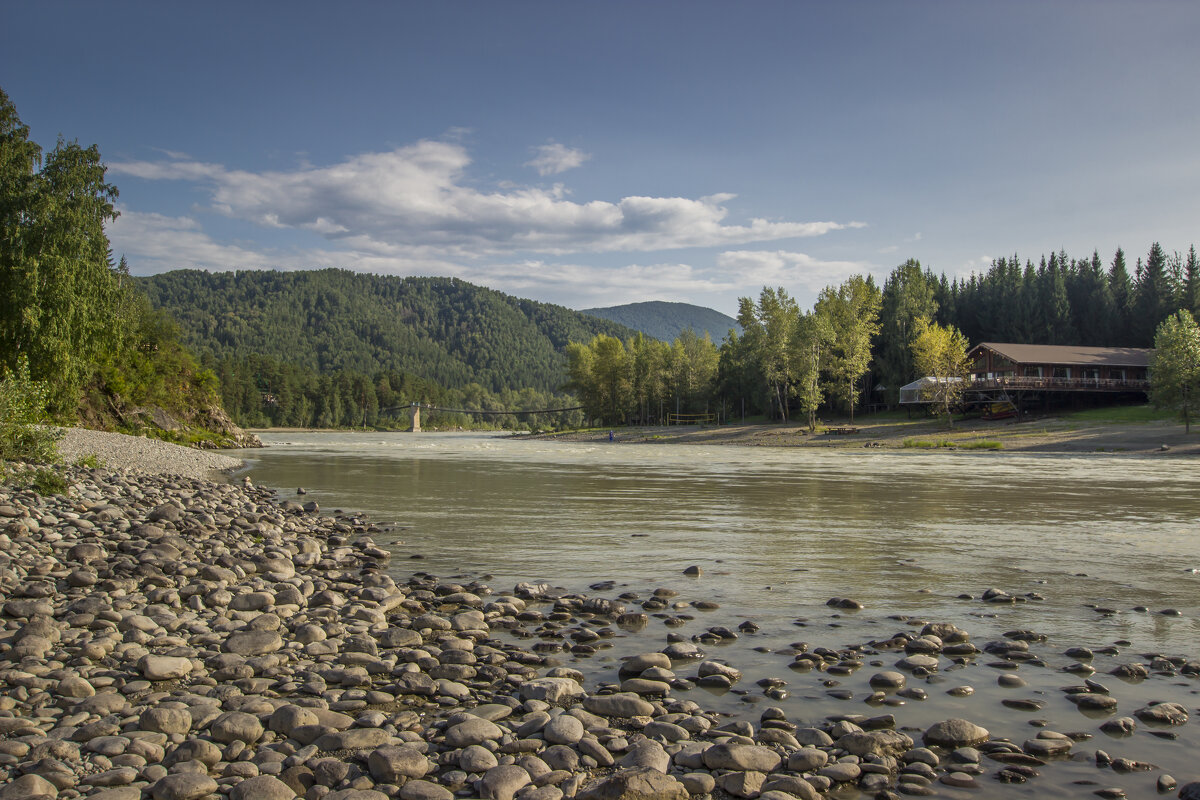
1138, 430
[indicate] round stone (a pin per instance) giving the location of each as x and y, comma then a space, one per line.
262, 787
954, 733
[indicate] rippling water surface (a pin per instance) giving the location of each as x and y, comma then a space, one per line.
778, 532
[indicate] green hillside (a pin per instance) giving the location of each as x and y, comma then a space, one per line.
666, 321
302, 340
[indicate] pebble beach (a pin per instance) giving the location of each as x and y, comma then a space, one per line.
117, 451
169, 636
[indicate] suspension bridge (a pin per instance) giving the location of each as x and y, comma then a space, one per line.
416, 412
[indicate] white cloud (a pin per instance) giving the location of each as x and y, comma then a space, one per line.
553, 158
418, 196
782, 268
168, 170
582, 286
158, 243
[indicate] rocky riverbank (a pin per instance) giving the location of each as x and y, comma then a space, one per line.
170, 638
154, 456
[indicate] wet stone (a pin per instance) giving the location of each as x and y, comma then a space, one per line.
955, 733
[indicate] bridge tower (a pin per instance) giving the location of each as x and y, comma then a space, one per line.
416, 418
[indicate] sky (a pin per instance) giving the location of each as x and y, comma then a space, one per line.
600, 153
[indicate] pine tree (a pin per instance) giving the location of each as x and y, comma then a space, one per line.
1153, 296
907, 295
1121, 288
1191, 283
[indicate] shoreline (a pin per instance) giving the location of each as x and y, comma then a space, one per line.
1041, 436
1047, 435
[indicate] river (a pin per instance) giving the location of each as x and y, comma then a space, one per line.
1082, 540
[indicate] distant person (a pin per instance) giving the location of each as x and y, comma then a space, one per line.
611, 438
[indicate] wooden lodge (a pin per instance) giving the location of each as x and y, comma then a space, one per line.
1006, 379
1058, 368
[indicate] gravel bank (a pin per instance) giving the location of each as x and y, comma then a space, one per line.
118, 451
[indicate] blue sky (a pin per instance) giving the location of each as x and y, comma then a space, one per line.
610, 152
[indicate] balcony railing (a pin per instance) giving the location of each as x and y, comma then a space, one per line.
1062, 384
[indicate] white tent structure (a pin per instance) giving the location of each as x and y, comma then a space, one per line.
924, 390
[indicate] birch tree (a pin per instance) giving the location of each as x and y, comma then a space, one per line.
770, 332
1175, 365
852, 313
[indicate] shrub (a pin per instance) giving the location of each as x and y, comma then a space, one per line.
25, 434
47, 481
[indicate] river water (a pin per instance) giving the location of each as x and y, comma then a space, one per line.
1084, 539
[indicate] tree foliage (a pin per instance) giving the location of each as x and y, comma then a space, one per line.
642, 379
25, 434
940, 353
326, 321
908, 294
1175, 365
69, 315
57, 284
852, 311
769, 332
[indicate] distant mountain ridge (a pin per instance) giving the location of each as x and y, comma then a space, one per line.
665, 321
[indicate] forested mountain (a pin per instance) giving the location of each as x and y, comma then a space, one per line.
666, 321
333, 347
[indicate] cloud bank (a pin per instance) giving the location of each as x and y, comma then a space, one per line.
418, 196
414, 210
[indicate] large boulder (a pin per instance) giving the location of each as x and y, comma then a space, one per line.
742, 757
879, 743
641, 783
395, 764
954, 733
555, 691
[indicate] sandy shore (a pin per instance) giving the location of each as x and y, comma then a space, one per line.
118, 451
1046, 435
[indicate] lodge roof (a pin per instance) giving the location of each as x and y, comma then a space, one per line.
1067, 354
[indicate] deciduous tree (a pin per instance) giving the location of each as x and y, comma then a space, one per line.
1175, 365
770, 333
941, 353
852, 313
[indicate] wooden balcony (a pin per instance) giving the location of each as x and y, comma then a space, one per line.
1059, 384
